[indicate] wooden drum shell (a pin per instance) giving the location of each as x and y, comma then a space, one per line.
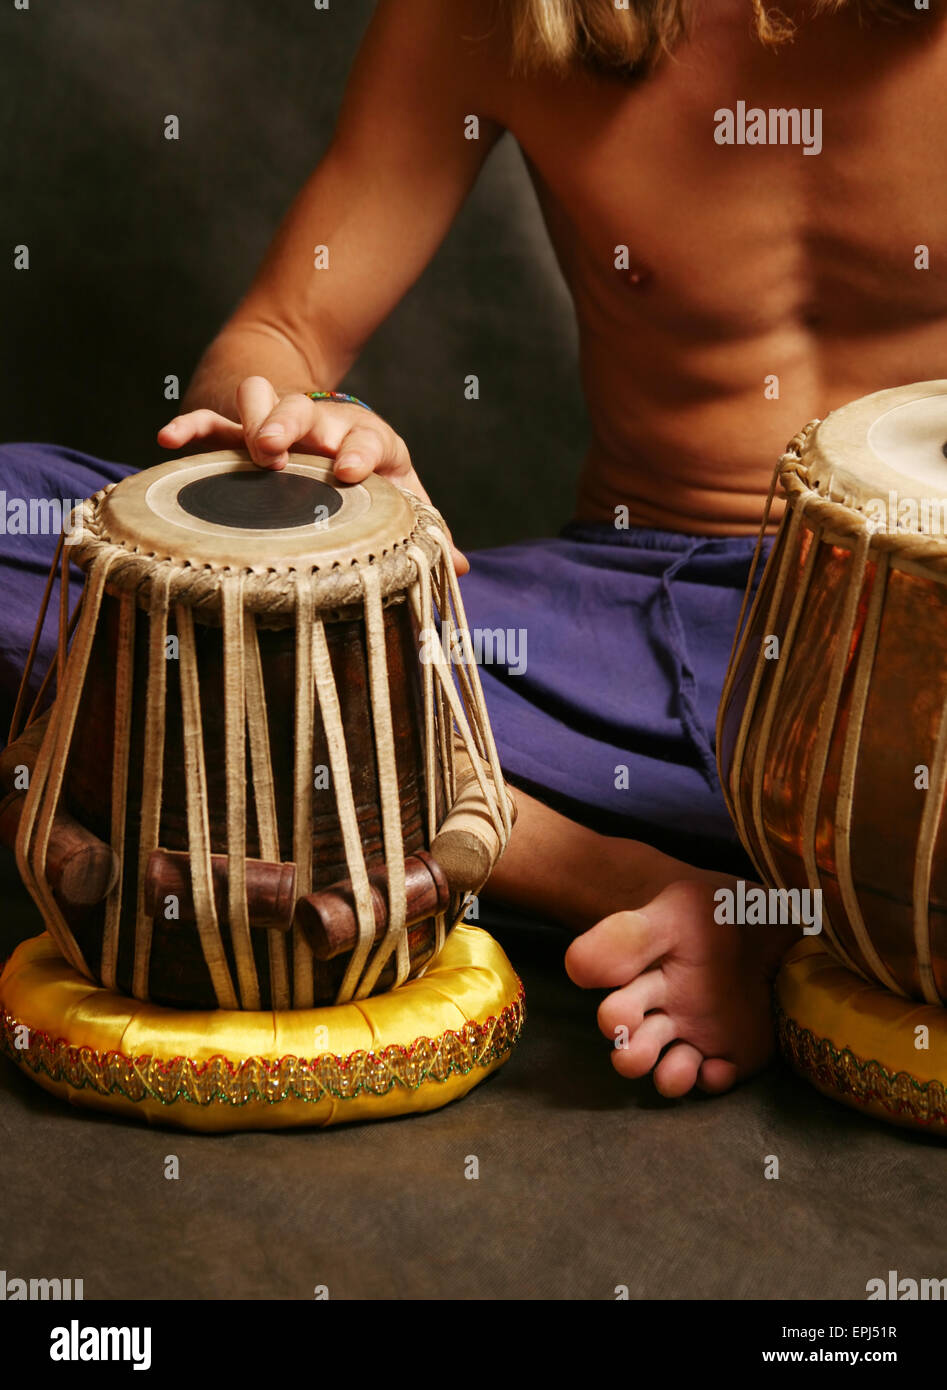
178, 972
252, 746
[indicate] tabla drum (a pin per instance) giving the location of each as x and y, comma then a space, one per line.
261, 786
832, 745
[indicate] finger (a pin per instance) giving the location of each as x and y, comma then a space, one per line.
412, 483
290, 421
644, 1047
717, 1075
615, 950
200, 424
256, 398
367, 449
677, 1070
626, 1008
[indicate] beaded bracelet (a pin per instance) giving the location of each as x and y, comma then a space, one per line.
342, 396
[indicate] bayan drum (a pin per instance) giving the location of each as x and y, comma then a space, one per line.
832, 746
260, 788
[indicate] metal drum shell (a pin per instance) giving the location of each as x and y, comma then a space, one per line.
832, 747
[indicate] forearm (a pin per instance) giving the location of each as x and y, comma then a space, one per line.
241, 350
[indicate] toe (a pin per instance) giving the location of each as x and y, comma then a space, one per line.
643, 1048
677, 1070
623, 1011
717, 1075
615, 950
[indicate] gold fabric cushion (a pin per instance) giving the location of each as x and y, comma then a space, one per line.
860, 1043
413, 1049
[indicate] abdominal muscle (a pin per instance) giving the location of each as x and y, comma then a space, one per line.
698, 457
697, 465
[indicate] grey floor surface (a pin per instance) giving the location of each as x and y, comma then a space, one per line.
586, 1183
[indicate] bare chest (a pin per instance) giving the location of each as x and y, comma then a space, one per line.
736, 190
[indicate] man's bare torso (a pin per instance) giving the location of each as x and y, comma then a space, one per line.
745, 262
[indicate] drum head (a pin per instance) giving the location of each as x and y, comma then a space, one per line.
220, 509
886, 454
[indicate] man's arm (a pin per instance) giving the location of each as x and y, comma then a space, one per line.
397, 170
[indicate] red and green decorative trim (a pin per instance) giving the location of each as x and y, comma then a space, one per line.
218, 1080
860, 1081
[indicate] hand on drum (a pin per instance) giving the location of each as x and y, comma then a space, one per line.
358, 440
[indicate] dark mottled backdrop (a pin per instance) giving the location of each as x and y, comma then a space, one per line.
140, 247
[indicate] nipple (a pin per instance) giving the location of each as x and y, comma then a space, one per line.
639, 276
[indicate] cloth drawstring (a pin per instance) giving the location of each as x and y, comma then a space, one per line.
686, 683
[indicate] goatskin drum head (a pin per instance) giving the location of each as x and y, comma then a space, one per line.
861, 1044
891, 442
414, 1049
221, 509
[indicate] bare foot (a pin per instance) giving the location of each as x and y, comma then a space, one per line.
681, 980
684, 982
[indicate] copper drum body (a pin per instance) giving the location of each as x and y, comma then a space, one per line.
832, 733
246, 725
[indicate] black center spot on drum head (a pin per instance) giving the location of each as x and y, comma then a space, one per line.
261, 500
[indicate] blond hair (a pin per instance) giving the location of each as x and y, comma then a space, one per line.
557, 33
